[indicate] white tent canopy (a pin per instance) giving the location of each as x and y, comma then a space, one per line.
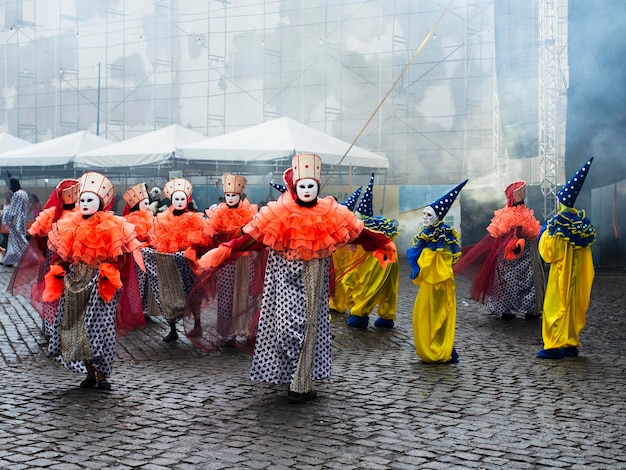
53, 152
279, 139
9, 142
153, 148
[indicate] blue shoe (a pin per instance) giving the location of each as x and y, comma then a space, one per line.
570, 351
555, 353
455, 357
357, 322
383, 323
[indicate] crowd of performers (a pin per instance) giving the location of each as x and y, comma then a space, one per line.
267, 280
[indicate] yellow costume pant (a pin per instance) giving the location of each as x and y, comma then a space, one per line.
368, 285
434, 311
568, 291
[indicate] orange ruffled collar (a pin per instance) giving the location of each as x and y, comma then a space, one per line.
304, 233
102, 237
227, 221
508, 218
173, 233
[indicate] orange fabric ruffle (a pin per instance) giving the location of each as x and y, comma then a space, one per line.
304, 233
173, 233
509, 218
227, 222
102, 237
143, 222
43, 223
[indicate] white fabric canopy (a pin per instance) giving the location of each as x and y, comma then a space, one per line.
59, 151
9, 142
152, 148
276, 139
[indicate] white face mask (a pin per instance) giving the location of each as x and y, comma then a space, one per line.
144, 205
429, 217
89, 203
232, 199
307, 189
179, 200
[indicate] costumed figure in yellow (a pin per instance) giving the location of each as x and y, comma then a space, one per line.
90, 245
225, 304
366, 285
565, 243
505, 264
29, 275
293, 343
343, 262
136, 298
178, 237
435, 249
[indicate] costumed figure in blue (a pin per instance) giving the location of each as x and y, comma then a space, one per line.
565, 243
435, 249
505, 264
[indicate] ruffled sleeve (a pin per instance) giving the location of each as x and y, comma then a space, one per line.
43, 223
305, 233
143, 221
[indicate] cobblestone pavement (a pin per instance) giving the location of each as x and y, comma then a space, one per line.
174, 407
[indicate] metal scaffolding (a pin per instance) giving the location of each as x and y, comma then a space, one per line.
553, 85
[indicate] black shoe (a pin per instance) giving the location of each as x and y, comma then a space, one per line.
104, 385
508, 316
297, 398
88, 383
171, 336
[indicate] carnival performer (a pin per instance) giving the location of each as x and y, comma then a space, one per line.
132, 311
343, 263
89, 247
369, 285
293, 344
235, 281
505, 264
28, 277
565, 243
435, 249
14, 219
179, 236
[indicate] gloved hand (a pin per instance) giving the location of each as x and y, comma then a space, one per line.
109, 281
386, 254
215, 257
514, 249
53, 283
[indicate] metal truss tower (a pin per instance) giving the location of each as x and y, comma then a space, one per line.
553, 85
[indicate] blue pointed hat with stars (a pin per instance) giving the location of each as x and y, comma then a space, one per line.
280, 187
568, 193
442, 205
350, 203
365, 206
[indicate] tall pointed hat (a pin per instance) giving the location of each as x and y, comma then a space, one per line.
365, 206
442, 205
350, 203
280, 187
568, 193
